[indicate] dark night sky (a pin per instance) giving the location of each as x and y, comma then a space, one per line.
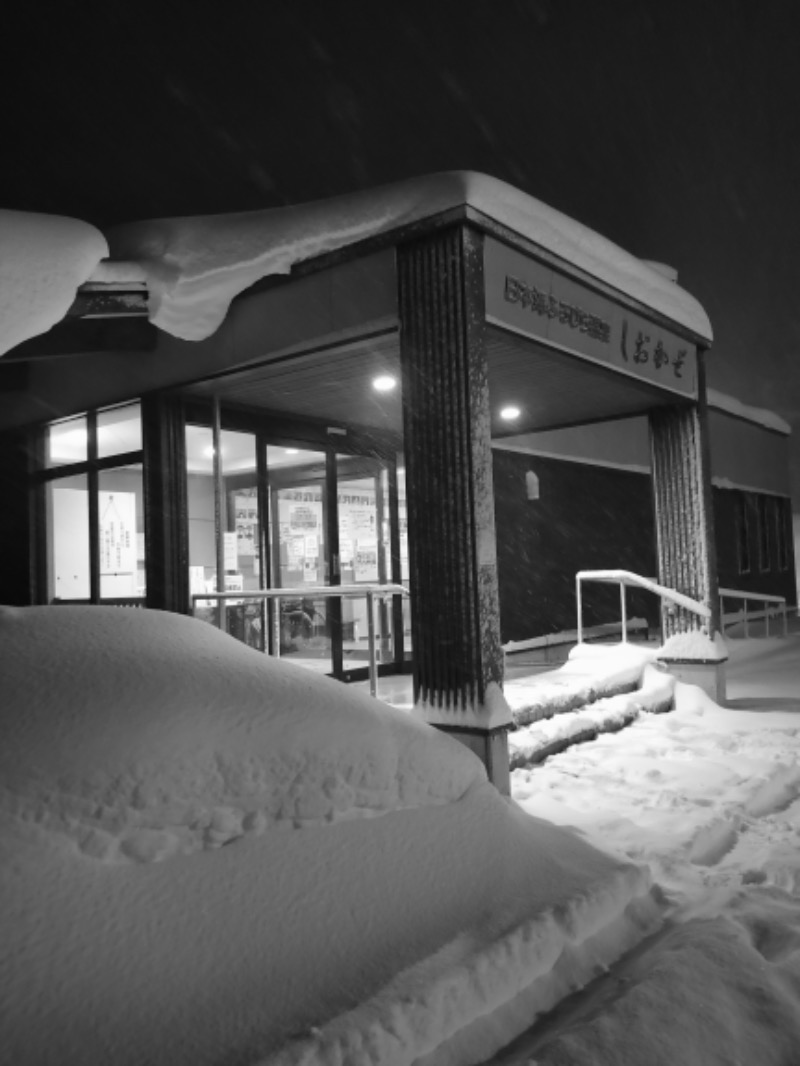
671, 128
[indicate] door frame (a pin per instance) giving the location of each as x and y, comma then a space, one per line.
378, 450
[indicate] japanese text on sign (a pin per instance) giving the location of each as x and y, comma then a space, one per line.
542, 303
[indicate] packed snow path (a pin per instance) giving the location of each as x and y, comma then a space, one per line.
710, 798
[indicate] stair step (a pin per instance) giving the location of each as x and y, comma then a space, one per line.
592, 672
533, 743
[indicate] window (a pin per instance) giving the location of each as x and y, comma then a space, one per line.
783, 519
762, 531
94, 508
742, 533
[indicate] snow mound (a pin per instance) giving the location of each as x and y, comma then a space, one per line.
43, 261
694, 644
142, 735
196, 266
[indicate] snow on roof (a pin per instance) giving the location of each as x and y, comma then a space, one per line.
43, 261
196, 266
720, 401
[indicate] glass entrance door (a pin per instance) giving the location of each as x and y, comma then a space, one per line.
365, 556
302, 552
302, 519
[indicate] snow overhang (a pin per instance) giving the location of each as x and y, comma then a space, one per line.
760, 416
44, 259
194, 267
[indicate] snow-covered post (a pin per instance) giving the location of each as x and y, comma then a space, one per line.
458, 658
694, 648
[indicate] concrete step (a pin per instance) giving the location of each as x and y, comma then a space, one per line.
597, 691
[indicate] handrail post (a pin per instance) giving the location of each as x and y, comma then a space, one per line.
766, 616
373, 672
746, 625
276, 627
624, 607
579, 602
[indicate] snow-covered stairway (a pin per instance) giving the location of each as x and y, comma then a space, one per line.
600, 689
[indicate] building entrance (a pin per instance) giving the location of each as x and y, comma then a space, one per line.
289, 516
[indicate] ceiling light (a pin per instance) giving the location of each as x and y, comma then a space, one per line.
384, 383
510, 413
292, 451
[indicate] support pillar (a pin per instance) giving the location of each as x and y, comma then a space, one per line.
686, 545
458, 659
166, 526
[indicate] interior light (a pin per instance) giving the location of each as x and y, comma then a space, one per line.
68, 445
384, 383
510, 413
292, 451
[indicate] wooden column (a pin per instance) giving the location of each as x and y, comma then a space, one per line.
458, 660
684, 520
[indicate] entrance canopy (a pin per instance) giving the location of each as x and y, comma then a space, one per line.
295, 310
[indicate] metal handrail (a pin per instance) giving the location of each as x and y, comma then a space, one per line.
624, 578
372, 591
758, 597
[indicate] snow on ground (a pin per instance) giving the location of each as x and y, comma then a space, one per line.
211, 857
43, 260
196, 266
709, 798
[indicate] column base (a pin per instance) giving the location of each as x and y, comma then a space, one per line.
491, 747
707, 674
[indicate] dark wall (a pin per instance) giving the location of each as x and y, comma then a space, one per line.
597, 518
15, 524
586, 518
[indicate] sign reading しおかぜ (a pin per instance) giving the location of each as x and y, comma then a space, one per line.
530, 298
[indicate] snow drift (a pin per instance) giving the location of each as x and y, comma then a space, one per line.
135, 744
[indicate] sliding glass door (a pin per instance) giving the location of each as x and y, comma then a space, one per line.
300, 518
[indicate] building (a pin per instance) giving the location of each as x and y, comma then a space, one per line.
366, 390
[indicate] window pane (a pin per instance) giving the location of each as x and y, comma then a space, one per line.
241, 531
67, 504
200, 501
763, 533
299, 511
120, 515
742, 534
66, 442
119, 430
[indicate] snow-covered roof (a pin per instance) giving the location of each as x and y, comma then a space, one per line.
720, 401
43, 261
195, 266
